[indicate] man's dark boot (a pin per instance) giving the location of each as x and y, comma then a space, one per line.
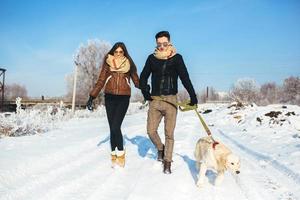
167, 167
160, 154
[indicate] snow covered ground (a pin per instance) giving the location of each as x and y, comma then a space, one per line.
72, 160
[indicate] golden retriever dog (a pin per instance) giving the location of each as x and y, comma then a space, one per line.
216, 157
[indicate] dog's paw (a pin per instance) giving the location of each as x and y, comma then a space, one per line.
202, 182
218, 180
217, 183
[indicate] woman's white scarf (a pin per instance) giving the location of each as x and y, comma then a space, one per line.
121, 65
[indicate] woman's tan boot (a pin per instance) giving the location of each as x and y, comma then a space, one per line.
113, 159
121, 158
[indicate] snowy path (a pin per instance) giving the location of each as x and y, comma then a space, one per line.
73, 163
273, 177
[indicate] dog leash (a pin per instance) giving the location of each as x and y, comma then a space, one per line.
184, 106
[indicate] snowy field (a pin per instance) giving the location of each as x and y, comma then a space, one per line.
70, 158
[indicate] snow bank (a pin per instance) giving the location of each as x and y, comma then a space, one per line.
43, 118
272, 129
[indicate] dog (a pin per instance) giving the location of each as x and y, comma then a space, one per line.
214, 155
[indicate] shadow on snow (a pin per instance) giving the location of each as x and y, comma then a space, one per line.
211, 175
144, 145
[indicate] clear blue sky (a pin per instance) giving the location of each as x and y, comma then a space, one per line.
220, 41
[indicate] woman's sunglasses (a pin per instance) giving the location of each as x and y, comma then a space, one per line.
118, 52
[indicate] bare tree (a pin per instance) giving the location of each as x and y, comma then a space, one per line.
202, 96
89, 59
291, 90
224, 96
213, 94
15, 90
269, 93
245, 90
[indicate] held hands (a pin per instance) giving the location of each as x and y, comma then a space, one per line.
147, 96
89, 103
146, 93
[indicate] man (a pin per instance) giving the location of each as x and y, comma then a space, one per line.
164, 66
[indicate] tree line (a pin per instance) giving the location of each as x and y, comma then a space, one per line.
90, 56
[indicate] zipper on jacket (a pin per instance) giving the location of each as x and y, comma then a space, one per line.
117, 92
127, 81
109, 77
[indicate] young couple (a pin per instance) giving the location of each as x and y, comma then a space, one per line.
164, 66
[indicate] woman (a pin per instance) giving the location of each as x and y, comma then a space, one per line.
117, 69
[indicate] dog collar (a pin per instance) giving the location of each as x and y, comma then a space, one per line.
214, 144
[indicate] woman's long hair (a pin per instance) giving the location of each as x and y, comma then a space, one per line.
126, 54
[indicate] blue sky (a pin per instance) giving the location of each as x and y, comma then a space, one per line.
220, 41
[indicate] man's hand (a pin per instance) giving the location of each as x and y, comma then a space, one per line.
147, 96
146, 93
194, 101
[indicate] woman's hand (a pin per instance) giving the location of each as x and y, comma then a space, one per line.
89, 103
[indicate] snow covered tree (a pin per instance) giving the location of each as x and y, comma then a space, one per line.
213, 94
202, 96
89, 59
208, 94
291, 90
15, 90
245, 90
269, 94
224, 96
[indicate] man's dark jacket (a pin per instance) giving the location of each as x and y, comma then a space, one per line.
164, 76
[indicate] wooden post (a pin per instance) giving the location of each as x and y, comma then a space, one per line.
74, 88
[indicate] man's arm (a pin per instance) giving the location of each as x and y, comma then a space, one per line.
145, 88
145, 75
185, 79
